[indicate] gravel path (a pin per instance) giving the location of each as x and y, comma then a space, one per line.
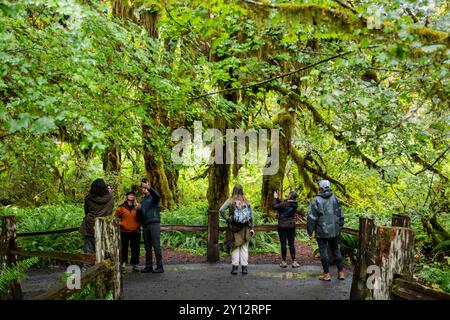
214, 282
189, 277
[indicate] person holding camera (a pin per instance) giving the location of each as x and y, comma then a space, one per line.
151, 227
286, 215
240, 228
130, 234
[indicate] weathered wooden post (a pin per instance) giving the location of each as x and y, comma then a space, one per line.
212, 254
108, 250
383, 253
365, 258
8, 243
401, 220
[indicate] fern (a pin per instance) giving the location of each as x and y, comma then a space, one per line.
443, 246
17, 271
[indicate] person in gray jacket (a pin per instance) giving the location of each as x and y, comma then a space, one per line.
326, 219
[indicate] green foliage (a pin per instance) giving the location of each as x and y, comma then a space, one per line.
443, 247
436, 274
76, 79
192, 242
349, 247
88, 293
15, 272
45, 218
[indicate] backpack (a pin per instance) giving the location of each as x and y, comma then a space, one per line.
242, 216
289, 212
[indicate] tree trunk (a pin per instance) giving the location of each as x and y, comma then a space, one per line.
274, 182
218, 193
111, 159
112, 165
157, 175
154, 163
8, 243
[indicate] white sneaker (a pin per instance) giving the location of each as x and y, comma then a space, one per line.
283, 264
295, 264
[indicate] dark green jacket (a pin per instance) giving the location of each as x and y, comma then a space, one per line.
325, 215
94, 207
150, 208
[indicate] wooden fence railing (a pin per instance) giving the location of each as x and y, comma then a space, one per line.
389, 248
105, 274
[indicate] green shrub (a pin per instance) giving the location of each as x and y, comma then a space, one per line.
44, 218
438, 275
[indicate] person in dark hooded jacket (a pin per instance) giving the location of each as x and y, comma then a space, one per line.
326, 219
286, 215
98, 203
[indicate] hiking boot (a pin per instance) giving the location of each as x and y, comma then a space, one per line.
283, 264
147, 270
244, 270
325, 277
135, 268
341, 275
159, 270
234, 270
295, 264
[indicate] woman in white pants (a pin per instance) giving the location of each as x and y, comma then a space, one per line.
240, 228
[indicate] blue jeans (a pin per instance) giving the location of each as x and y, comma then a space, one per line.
323, 247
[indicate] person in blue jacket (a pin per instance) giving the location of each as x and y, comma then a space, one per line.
149, 214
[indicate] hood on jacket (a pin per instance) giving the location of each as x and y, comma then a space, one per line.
99, 199
325, 189
292, 203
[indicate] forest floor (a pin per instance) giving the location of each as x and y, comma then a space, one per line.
189, 277
305, 254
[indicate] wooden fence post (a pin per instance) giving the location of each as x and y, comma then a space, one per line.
390, 252
107, 247
8, 243
213, 236
401, 220
365, 258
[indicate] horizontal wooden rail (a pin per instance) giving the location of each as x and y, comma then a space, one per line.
412, 290
43, 233
267, 227
61, 292
182, 228
55, 255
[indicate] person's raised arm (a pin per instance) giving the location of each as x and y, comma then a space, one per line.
155, 195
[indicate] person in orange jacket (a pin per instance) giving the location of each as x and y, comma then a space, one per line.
130, 229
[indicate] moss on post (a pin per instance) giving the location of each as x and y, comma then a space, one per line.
108, 250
